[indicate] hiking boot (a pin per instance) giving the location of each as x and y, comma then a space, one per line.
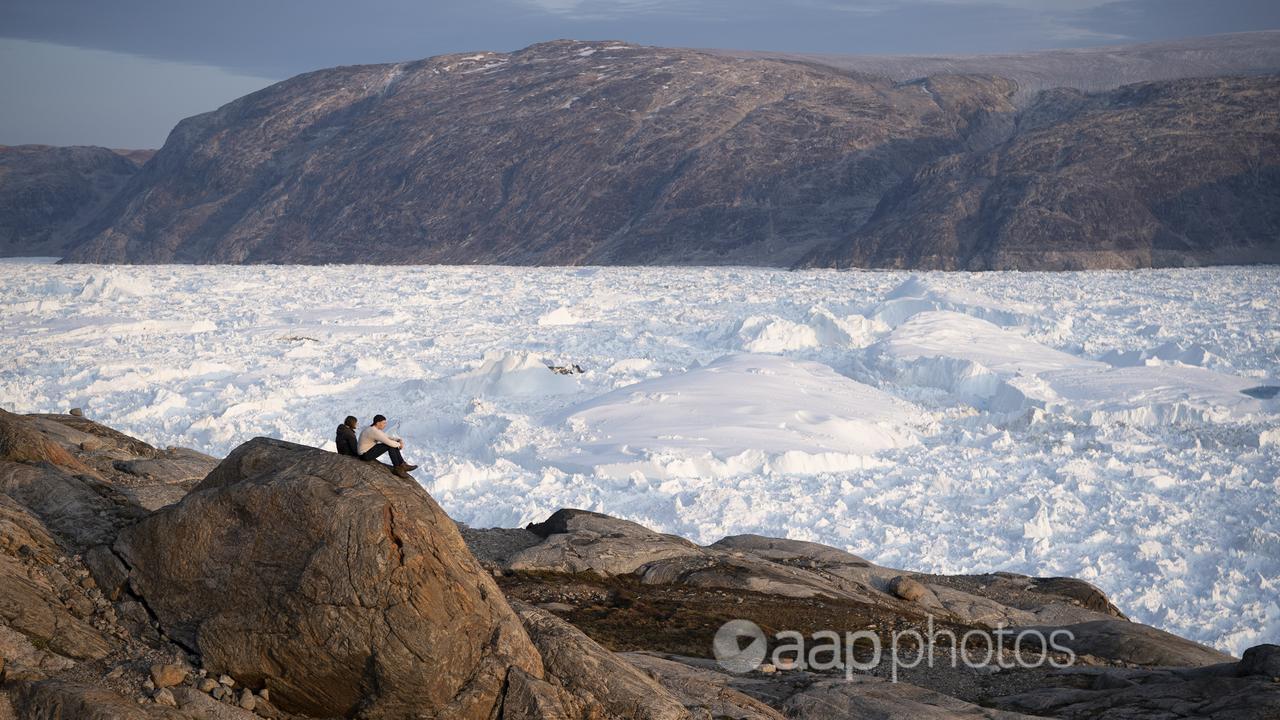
406, 467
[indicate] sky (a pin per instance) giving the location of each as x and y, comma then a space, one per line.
122, 73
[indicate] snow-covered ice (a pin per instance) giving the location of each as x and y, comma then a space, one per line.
1113, 426
741, 414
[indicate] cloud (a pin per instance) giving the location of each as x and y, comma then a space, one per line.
602, 9
285, 37
1159, 19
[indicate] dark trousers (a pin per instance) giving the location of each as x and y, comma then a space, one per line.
376, 451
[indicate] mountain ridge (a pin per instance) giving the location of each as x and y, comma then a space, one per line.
1091, 69
608, 153
47, 193
484, 158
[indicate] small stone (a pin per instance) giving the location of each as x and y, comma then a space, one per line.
221, 693
768, 668
80, 606
164, 697
168, 675
78, 412
148, 685
92, 444
265, 694
247, 700
116, 672
226, 680
208, 685
906, 588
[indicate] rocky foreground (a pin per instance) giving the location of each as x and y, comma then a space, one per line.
289, 582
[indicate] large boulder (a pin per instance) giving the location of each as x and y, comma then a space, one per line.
1136, 644
1261, 660
582, 541
331, 582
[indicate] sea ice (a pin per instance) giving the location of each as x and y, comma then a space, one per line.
1113, 426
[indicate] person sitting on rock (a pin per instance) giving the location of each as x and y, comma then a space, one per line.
374, 442
346, 440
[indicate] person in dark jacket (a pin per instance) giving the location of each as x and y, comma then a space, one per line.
346, 439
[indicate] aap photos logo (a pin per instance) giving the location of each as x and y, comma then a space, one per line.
740, 646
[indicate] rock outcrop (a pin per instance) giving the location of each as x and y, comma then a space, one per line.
54, 618
576, 541
804, 696
337, 586
47, 193
1227, 691
69, 497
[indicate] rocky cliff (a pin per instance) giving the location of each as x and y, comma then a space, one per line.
47, 193
1159, 174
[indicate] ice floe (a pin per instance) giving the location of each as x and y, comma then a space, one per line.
743, 413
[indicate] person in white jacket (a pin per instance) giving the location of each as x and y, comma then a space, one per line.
374, 442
